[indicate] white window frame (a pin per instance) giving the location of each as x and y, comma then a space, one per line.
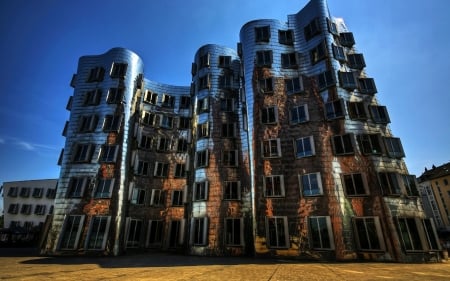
199, 161
302, 143
109, 153
270, 188
297, 113
77, 187
104, 188
199, 231
340, 144
308, 178
265, 115
350, 181
234, 237
72, 229
313, 221
158, 198
201, 191
134, 230
96, 233
151, 97
161, 170
363, 229
279, 243
271, 148
138, 196
177, 199
88, 123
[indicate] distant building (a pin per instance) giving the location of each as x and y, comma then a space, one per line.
277, 148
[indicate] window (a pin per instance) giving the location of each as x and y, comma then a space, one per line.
379, 114
409, 182
104, 188
184, 123
269, 115
142, 168
277, 232
354, 184
321, 234
367, 86
146, 142
39, 210
234, 231
264, 58
369, 236
201, 158
271, 148
312, 29
370, 144
356, 111
12, 192
168, 101
115, 95
155, 233
76, 187
338, 53
71, 232
230, 158
356, 61
273, 186
180, 170
294, 85
51, 193
93, 97
304, 147
148, 118
88, 123
262, 34
118, 70
28, 225
138, 196
224, 61
177, 198
346, 39
157, 198
161, 170
203, 105
265, 85
199, 231
150, 97
185, 102
389, 183
289, 60
83, 152
335, 109
182, 145
204, 60
203, 82
299, 114
201, 191
325, 79
226, 81
227, 105
232, 190
347, 80
318, 53
25, 192
409, 234
176, 231
13, 209
134, 230
332, 27
25, 209
109, 153
96, 74
98, 233
112, 123
286, 37
166, 121
311, 184
394, 147
202, 130
38, 192
343, 144
164, 144
229, 130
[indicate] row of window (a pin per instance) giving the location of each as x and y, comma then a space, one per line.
228, 130
163, 144
226, 82
166, 100
118, 70
25, 192
204, 61
165, 121
156, 197
26, 224
83, 153
89, 123
26, 209
93, 97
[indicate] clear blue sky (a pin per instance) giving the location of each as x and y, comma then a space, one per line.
406, 44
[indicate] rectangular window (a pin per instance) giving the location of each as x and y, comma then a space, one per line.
271, 148
158, 198
38, 192
204, 60
265, 85
184, 123
138, 196
234, 231
379, 114
262, 34
312, 29
203, 105
104, 188
431, 234
109, 153
25, 209
201, 158
150, 97
318, 53
304, 147
161, 170
185, 102
112, 123
368, 233
146, 142
409, 233
164, 144
339, 53
227, 105
13, 209
354, 184
294, 85
83, 152
367, 86
356, 61
277, 232
88, 123
51, 193
25, 192
142, 168
326, 79
264, 58
311, 184
71, 231
134, 230
177, 198
168, 101
96, 74
155, 233
39, 210
98, 233
370, 144
76, 187
204, 82
346, 39
343, 144
166, 121
199, 231
13, 190
182, 145
230, 158
269, 115
115, 96
409, 182
200, 191
118, 70
274, 186
224, 61
180, 170
335, 109
93, 97
357, 111
321, 233
289, 60
389, 183
176, 231
394, 147
148, 118
226, 81
286, 37
229, 130
202, 130
348, 80
299, 114
232, 190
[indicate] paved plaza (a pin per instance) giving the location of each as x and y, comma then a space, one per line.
21, 264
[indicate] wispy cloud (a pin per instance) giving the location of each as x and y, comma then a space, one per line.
26, 145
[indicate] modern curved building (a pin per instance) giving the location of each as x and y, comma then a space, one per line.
277, 148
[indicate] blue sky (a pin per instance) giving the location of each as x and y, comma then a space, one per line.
406, 44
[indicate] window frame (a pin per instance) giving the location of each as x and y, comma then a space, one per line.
199, 231
134, 230
289, 60
389, 183
271, 148
343, 144
315, 233
201, 191
232, 190
351, 182
161, 170
335, 109
73, 231
311, 191
277, 232
157, 198
304, 142
262, 34
115, 95
104, 188
286, 37
266, 115
138, 196
109, 153
297, 116
394, 147
150, 97
202, 158
363, 228
155, 234
264, 58
234, 237
274, 189
230, 158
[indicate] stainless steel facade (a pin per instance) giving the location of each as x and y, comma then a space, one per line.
277, 148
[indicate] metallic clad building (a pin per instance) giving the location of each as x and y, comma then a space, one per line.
277, 148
